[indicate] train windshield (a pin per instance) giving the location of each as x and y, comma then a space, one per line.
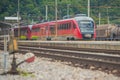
86, 26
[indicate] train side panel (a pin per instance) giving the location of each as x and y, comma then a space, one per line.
25, 33
67, 29
39, 31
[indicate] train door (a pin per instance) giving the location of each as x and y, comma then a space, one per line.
28, 34
42, 31
51, 32
71, 26
46, 31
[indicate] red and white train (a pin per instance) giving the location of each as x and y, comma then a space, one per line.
77, 28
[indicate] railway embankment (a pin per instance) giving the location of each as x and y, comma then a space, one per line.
94, 46
46, 69
61, 54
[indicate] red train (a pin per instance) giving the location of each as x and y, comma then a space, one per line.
77, 28
25, 32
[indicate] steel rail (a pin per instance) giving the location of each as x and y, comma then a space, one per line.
104, 59
79, 58
77, 49
100, 56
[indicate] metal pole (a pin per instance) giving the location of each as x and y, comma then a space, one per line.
108, 21
67, 10
99, 18
5, 43
108, 16
88, 8
56, 17
18, 21
5, 54
46, 11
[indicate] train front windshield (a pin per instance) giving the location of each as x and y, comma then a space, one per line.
86, 26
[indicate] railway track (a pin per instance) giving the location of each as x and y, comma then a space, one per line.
116, 52
90, 46
104, 61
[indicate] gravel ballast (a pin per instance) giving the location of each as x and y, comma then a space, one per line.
45, 69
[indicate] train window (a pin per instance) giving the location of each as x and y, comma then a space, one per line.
52, 29
32, 30
64, 26
36, 30
69, 25
23, 31
85, 24
59, 26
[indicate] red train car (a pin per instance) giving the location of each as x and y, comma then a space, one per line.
77, 28
25, 32
39, 31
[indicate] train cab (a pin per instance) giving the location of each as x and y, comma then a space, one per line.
86, 27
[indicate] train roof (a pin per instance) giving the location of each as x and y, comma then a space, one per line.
43, 23
27, 26
83, 18
77, 18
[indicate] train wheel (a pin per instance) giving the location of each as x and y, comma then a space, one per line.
72, 38
68, 38
48, 38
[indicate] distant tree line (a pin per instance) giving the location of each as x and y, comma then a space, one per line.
35, 10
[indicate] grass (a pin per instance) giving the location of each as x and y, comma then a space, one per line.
25, 74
